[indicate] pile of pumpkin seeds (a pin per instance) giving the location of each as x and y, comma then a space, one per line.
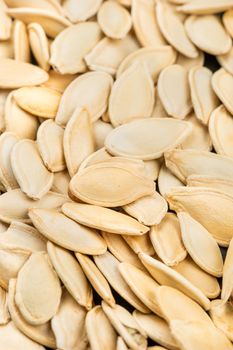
116, 174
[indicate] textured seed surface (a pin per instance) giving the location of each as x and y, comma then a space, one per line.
116, 165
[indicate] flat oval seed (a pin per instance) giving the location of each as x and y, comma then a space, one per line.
41, 334
91, 90
14, 205
52, 23
221, 131
196, 335
18, 121
78, 140
95, 277
156, 329
198, 277
38, 290
166, 240
71, 274
80, 10
121, 250
39, 45
148, 210
66, 57
50, 145
184, 163
15, 74
114, 20
126, 326
145, 23
147, 138
10, 264
199, 7
100, 337
221, 184
31, 174
50, 5
67, 233
7, 142
156, 59
222, 83
109, 266
173, 30
216, 40
227, 280
208, 207
166, 276
103, 219
12, 338
107, 55
24, 238
127, 185
140, 244
69, 324
123, 103
38, 100
21, 42
200, 244
167, 180
170, 301
203, 97
177, 102
141, 284
221, 315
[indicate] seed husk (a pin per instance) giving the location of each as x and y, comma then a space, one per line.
156, 329
39, 101
166, 276
214, 217
103, 219
123, 102
67, 233
15, 74
39, 45
66, 57
71, 274
99, 337
38, 290
166, 240
41, 334
109, 266
145, 23
78, 142
29, 170
68, 324
95, 277
156, 141
128, 185
205, 282
50, 145
125, 324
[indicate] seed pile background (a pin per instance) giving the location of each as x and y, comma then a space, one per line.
116, 174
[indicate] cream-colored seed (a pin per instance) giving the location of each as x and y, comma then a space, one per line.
116, 165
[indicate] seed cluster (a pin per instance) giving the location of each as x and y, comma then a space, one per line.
116, 174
